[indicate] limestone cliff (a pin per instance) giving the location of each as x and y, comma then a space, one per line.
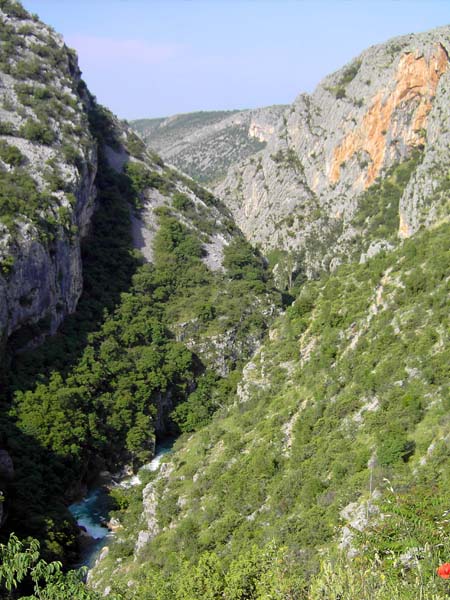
307, 186
48, 162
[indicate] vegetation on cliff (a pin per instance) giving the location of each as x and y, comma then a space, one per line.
118, 370
42, 105
312, 458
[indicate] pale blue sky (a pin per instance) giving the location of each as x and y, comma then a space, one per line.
148, 58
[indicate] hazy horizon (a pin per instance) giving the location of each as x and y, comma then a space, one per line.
155, 59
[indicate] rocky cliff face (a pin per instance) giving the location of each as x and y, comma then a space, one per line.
330, 147
47, 171
207, 144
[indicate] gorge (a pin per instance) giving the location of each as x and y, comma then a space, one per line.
287, 324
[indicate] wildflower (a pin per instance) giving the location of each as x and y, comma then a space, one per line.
444, 571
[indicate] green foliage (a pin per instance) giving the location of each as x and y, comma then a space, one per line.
241, 262
14, 9
37, 131
124, 369
20, 197
289, 158
351, 391
21, 562
6, 128
288, 272
141, 178
181, 201
174, 238
136, 146
54, 177
72, 155
258, 574
399, 554
102, 123
196, 412
393, 445
6, 265
349, 73
201, 192
32, 95
30, 69
11, 154
378, 215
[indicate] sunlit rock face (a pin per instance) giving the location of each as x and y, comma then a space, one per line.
327, 148
400, 112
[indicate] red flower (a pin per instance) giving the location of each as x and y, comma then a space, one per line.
444, 571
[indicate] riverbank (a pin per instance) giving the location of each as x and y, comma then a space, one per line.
92, 512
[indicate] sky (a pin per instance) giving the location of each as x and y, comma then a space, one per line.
155, 58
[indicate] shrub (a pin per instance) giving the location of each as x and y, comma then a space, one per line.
350, 73
6, 128
72, 155
13, 9
242, 262
37, 131
11, 154
6, 265
28, 69
135, 146
181, 201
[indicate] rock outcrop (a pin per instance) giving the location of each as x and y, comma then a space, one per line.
150, 504
306, 187
48, 162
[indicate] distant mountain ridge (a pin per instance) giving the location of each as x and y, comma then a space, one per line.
206, 144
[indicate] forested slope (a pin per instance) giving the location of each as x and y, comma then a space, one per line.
336, 445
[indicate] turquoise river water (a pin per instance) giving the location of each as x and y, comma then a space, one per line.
91, 513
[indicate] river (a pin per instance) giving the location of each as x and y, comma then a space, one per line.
91, 513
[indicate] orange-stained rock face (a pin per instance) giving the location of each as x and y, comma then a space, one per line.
404, 230
416, 81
